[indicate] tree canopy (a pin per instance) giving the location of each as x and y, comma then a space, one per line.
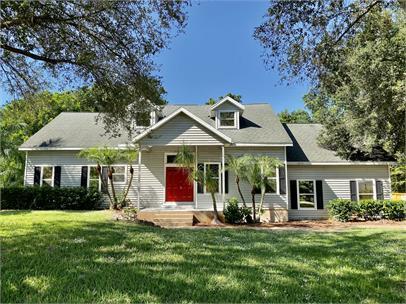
21, 118
236, 97
352, 52
108, 45
296, 116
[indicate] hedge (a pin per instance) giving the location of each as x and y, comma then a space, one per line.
48, 198
345, 209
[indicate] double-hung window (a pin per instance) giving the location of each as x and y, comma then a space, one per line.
119, 174
365, 189
214, 168
272, 183
227, 119
47, 176
93, 178
306, 193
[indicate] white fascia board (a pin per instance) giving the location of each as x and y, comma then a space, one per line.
174, 114
262, 145
50, 149
229, 99
354, 163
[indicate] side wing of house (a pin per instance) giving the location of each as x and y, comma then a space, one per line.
337, 181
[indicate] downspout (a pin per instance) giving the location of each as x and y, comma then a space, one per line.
139, 178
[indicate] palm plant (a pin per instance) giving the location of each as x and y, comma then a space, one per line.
108, 157
256, 173
186, 159
267, 167
236, 165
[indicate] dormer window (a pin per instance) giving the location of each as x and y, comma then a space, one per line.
227, 119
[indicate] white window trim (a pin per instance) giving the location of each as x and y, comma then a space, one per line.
88, 177
115, 183
373, 186
277, 183
125, 173
236, 120
219, 179
314, 193
166, 154
42, 173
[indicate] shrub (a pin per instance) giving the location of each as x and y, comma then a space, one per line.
47, 198
394, 210
344, 209
130, 213
233, 214
369, 209
341, 209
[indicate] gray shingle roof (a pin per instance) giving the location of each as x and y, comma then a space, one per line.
305, 147
259, 125
73, 130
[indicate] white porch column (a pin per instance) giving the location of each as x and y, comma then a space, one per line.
139, 178
223, 176
194, 182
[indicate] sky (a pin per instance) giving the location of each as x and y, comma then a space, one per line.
217, 54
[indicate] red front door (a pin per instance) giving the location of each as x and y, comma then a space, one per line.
178, 187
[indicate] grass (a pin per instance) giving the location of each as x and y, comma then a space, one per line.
55, 256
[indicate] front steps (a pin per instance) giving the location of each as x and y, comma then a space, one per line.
164, 218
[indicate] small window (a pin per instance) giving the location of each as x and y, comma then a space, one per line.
227, 119
215, 169
171, 158
365, 189
94, 178
119, 174
47, 176
306, 194
143, 119
272, 185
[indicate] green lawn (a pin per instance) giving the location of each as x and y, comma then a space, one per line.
86, 257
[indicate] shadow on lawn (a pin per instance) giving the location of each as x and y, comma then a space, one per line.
92, 262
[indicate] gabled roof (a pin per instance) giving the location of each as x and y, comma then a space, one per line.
259, 126
230, 100
187, 113
306, 149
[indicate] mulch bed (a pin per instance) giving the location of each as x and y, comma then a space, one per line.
315, 225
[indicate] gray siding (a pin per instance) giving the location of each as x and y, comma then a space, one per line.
181, 130
336, 183
71, 169
227, 106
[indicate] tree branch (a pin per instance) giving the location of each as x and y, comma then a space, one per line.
370, 7
36, 56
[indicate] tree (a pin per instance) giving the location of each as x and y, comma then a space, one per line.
108, 157
236, 97
297, 116
304, 39
108, 45
186, 159
236, 165
22, 118
256, 173
398, 176
352, 52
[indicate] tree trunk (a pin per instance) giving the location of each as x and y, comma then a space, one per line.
253, 205
237, 181
216, 219
261, 203
113, 191
129, 185
99, 170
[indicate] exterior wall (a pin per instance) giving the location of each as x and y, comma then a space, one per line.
181, 130
228, 106
336, 183
71, 169
153, 177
